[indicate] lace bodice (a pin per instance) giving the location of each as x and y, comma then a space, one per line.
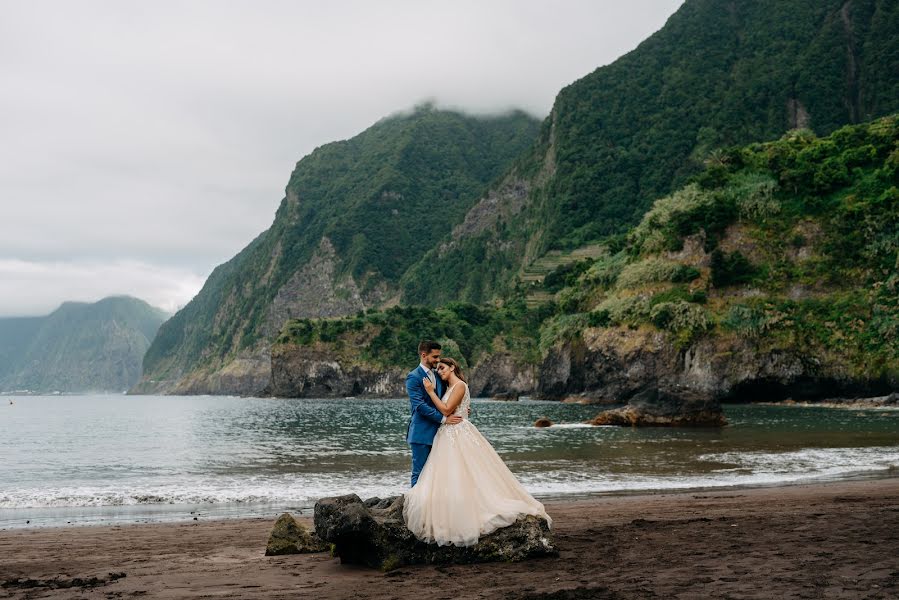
462, 409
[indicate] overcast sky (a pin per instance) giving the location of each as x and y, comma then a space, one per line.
143, 143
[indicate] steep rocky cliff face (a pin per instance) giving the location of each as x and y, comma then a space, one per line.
320, 372
611, 365
316, 372
717, 74
603, 366
349, 227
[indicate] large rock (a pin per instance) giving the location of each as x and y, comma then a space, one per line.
378, 537
316, 372
320, 371
653, 407
502, 376
290, 537
609, 365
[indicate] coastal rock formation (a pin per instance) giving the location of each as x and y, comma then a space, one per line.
376, 536
503, 376
311, 372
612, 365
889, 401
317, 371
665, 408
543, 422
290, 537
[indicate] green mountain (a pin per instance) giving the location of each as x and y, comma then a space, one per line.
717, 74
356, 215
79, 347
774, 273
435, 207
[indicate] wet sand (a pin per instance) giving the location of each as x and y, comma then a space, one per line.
837, 540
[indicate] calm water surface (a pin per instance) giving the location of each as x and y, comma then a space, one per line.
102, 459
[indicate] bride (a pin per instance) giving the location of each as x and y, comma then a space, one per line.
465, 490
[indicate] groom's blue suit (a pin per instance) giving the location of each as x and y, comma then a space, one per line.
425, 419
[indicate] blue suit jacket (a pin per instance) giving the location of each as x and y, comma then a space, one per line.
425, 417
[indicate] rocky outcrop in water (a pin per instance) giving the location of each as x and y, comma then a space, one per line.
889, 401
665, 408
373, 533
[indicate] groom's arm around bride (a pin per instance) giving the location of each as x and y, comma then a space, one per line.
425, 418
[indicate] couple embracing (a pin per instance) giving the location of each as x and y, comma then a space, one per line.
461, 488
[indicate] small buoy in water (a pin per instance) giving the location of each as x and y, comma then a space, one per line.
543, 422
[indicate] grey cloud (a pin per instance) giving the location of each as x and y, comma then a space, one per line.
163, 133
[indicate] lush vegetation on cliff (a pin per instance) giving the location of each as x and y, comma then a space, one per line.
78, 347
359, 212
387, 338
792, 244
718, 74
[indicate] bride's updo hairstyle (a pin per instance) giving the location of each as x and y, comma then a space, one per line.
452, 363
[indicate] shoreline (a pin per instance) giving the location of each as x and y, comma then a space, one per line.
836, 539
187, 516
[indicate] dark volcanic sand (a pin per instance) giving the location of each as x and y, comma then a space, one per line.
837, 540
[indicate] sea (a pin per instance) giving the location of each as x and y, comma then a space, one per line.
112, 459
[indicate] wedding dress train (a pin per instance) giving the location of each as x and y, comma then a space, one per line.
465, 490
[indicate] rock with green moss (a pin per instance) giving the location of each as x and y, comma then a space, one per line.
379, 538
291, 537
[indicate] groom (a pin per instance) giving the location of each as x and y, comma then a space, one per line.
425, 416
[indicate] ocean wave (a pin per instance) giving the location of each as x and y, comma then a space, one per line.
214, 491
815, 461
556, 479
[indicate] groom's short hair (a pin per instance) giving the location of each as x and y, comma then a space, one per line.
426, 346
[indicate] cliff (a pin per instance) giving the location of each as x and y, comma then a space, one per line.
356, 214
774, 274
718, 74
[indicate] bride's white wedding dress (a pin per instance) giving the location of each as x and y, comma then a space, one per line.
465, 490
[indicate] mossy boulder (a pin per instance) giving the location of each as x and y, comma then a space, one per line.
379, 538
291, 537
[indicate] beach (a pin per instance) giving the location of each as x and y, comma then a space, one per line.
825, 540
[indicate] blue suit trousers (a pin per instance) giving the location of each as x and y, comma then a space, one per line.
420, 454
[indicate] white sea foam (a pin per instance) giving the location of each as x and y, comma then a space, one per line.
561, 478
272, 491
